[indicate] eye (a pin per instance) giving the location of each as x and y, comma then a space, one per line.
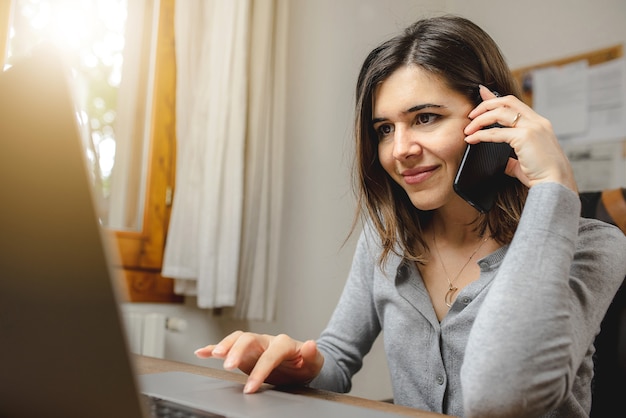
426, 118
384, 130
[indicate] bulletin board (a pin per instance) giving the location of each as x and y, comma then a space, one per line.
594, 57
597, 165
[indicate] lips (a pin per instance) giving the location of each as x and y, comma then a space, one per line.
418, 174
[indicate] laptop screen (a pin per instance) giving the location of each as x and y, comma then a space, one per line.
63, 349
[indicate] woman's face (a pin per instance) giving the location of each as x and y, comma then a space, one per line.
420, 122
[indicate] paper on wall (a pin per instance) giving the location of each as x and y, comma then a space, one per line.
607, 103
561, 94
597, 114
597, 166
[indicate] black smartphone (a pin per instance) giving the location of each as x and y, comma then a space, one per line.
481, 172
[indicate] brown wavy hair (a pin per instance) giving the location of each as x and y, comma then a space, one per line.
464, 56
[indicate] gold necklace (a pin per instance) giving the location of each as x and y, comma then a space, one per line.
451, 288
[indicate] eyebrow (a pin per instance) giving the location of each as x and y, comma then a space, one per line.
411, 110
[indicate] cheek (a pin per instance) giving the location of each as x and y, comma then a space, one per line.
385, 156
454, 149
455, 154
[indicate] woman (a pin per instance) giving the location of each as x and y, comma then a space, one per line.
484, 314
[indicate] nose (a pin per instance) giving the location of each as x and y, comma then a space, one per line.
405, 144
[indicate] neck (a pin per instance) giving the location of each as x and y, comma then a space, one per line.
455, 233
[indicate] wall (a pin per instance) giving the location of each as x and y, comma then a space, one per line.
328, 41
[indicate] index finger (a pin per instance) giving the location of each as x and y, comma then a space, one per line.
282, 350
220, 349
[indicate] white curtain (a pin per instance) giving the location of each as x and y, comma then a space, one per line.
223, 237
128, 176
264, 161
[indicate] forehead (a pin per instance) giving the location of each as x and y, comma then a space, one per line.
411, 85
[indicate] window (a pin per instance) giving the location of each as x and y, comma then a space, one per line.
143, 109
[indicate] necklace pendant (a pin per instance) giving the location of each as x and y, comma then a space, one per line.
449, 295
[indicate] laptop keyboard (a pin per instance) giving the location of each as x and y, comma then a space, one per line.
160, 408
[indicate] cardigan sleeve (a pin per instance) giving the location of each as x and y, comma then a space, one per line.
544, 308
354, 325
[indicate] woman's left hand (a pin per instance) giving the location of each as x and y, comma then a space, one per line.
539, 155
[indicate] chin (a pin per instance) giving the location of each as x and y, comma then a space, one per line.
425, 205
429, 199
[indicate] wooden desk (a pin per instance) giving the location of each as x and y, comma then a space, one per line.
146, 365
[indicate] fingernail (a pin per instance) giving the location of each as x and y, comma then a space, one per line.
249, 387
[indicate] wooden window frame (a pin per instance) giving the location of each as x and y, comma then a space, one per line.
141, 252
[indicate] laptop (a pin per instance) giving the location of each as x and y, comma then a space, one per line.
63, 349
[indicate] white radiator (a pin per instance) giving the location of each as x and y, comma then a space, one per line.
146, 332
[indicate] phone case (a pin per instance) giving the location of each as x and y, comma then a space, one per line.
481, 173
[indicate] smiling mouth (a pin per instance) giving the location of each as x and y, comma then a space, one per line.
417, 176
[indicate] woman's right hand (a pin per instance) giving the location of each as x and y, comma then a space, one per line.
540, 157
278, 360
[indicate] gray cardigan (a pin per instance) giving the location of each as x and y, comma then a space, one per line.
516, 342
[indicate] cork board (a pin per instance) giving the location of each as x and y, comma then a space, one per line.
593, 170
594, 57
